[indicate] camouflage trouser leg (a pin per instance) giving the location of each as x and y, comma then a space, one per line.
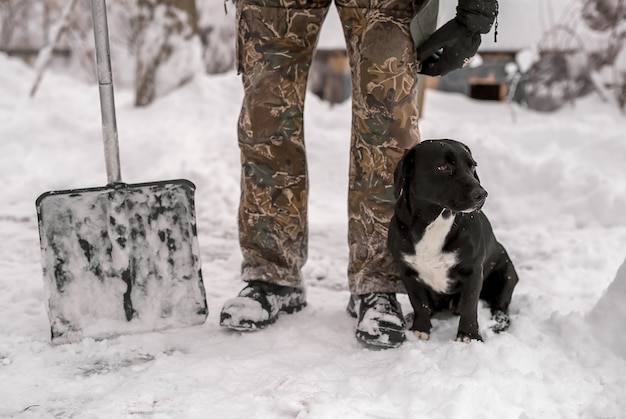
384, 124
276, 40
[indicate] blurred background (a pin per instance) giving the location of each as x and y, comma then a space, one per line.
547, 53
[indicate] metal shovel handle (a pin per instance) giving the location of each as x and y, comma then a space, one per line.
105, 83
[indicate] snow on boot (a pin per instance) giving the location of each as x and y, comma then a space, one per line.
259, 304
379, 319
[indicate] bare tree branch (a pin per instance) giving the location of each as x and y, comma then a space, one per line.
45, 54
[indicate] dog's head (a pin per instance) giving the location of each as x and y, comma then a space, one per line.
440, 172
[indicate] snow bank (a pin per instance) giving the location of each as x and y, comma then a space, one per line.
608, 317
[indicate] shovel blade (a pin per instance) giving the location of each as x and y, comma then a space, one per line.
120, 259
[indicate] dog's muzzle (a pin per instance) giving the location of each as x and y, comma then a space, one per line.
478, 197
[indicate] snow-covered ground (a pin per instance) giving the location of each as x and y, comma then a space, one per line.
557, 201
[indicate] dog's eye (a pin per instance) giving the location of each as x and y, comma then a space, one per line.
443, 167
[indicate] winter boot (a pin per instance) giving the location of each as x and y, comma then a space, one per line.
258, 305
379, 319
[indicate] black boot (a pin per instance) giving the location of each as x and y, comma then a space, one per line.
379, 319
259, 304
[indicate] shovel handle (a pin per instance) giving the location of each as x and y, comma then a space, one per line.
105, 83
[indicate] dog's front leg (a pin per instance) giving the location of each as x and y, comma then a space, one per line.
468, 310
418, 295
500, 306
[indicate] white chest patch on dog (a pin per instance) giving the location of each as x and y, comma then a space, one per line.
430, 261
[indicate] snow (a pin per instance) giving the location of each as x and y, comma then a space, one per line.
610, 311
331, 35
556, 201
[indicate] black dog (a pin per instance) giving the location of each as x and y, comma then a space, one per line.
445, 246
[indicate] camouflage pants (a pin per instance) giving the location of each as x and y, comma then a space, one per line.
276, 43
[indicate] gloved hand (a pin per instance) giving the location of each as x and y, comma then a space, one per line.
452, 45
449, 48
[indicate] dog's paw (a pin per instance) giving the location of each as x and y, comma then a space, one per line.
467, 338
502, 321
421, 335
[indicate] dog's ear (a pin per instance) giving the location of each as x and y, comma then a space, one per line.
404, 172
470, 153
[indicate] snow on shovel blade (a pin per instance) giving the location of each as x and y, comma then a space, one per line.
120, 259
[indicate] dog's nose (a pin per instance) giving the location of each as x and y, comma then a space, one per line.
479, 195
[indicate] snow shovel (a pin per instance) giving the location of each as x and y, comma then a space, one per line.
123, 258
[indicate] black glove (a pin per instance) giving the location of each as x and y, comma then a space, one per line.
452, 45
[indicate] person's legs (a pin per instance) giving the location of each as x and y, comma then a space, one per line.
384, 124
276, 41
